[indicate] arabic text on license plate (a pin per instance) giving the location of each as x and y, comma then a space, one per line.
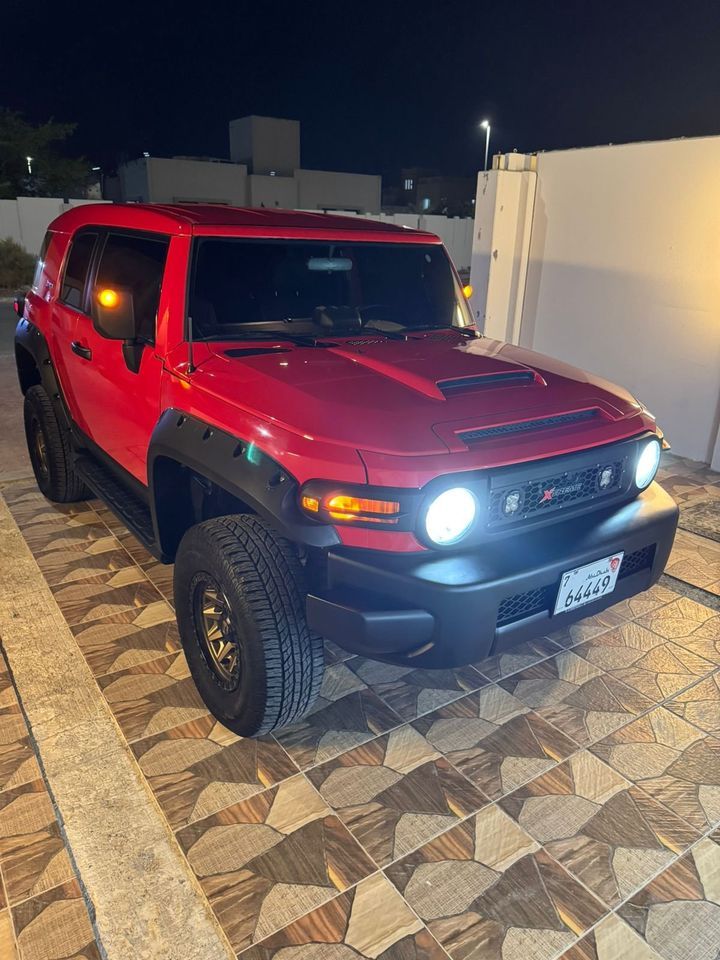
588, 583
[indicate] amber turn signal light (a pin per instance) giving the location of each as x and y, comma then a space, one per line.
467, 291
108, 298
342, 507
312, 504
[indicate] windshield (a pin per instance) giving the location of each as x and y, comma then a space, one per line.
249, 289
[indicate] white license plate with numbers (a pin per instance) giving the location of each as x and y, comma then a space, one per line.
588, 583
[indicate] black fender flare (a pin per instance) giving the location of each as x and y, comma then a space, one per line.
236, 466
29, 338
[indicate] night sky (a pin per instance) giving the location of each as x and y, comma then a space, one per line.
376, 86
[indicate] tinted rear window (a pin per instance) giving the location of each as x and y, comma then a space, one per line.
76, 270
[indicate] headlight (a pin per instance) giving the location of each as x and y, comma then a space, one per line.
647, 464
450, 516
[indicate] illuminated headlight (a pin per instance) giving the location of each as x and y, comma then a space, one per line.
647, 464
450, 516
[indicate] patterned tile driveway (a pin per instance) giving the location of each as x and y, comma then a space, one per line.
560, 800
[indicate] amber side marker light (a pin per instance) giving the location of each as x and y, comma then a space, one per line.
342, 507
311, 503
108, 298
467, 291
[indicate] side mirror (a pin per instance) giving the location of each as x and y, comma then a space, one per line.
19, 305
114, 313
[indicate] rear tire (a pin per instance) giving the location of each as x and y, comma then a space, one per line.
240, 605
49, 450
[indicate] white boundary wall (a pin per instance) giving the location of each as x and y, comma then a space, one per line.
26, 219
619, 272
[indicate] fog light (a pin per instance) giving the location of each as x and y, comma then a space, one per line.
605, 477
647, 464
511, 502
450, 516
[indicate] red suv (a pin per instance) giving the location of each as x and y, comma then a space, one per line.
297, 410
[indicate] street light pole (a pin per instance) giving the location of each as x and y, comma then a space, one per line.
486, 127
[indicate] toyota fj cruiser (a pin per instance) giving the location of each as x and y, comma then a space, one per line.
297, 410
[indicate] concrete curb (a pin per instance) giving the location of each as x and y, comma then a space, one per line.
146, 902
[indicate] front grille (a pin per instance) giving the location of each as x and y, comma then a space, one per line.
521, 605
505, 429
544, 494
542, 599
634, 562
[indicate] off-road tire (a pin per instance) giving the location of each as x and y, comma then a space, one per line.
56, 477
281, 662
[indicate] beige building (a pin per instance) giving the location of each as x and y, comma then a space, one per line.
263, 171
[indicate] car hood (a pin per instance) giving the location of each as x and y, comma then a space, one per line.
415, 397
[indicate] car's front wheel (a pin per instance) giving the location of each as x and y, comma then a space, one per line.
240, 605
49, 450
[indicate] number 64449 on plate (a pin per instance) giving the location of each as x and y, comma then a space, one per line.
588, 583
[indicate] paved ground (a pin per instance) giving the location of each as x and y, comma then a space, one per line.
559, 801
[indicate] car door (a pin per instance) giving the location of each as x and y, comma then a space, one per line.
68, 307
120, 400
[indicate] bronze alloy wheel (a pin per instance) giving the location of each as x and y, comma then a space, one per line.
218, 637
40, 449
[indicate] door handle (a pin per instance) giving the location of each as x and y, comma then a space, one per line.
80, 350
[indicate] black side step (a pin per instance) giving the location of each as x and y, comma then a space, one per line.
125, 504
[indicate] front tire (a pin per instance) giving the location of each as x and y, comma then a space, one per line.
240, 606
49, 450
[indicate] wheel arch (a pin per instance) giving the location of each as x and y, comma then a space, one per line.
212, 473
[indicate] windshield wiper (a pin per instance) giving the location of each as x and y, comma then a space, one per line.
424, 327
299, 339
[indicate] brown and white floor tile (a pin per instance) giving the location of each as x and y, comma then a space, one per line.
695, 560
153, 696
678, 912
369, 922
700, 704
679, 485
700, 513
335, 654
346, 714
7, 691
671, 760
200, 767
55, 925
161, 575
32, 852
101, 596
494, 740
74, 536
18, 763
691, 625
486, 890
607, 833
411, 692
127, 638
8, 949
619, 647
99, 557
577, 697
271, 859
523, 655
611, 939
639, 658
395, 793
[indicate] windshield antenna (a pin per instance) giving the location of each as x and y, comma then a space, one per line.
191, 364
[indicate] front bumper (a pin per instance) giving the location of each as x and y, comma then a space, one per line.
431, 610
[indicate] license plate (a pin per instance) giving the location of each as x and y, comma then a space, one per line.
588, 583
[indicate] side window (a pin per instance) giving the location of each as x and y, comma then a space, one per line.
76, 270
40, 265
137, 264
